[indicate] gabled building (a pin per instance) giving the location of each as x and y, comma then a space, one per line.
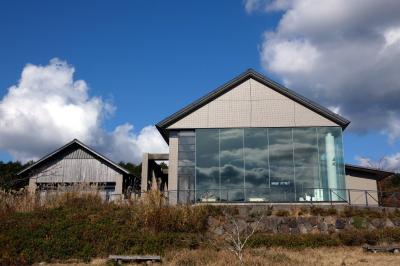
76, 165
253, 140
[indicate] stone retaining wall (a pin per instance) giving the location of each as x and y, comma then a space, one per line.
294, 223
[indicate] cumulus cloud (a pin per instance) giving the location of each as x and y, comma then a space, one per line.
252, 5
266, 5
47, 108
340, 53
389, 163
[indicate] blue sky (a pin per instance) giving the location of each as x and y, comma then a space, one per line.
150, 58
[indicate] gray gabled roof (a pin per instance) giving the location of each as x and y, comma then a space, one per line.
250, 73
69, 145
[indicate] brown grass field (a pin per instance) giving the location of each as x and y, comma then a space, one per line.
273, 256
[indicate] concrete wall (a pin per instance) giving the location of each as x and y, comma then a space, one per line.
145, 172
357, 186
252, 104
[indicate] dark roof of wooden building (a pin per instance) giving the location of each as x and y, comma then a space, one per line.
367, 172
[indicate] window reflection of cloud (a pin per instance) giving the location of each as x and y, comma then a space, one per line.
256, 157
231, 176
257, 177
255, 154
231, 155
230, 134
207, 177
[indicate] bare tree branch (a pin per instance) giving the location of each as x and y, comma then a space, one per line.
237, 237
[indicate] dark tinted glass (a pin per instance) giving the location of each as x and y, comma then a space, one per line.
306, 164
281, 164
256, 164
207, 164
266, 164
231, 164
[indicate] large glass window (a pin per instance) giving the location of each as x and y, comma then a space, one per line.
281, 164
207, 165
186, 166
256, 164
306, 166
231, 164
331, 163
269, 164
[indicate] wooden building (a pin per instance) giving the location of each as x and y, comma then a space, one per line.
75, 166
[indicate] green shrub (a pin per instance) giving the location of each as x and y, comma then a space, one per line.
359, 222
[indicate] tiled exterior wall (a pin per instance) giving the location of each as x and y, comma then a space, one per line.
252, 104
173, 166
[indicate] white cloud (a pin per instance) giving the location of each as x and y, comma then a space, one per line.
252, 5
48, 108
392, 36
265, 5
295, 56
389, 163
340, 53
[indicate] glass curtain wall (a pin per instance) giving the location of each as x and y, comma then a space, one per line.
281, 164
269, 164
207, 165
256, 162
231, 164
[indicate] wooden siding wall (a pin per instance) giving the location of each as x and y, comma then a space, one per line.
76, 166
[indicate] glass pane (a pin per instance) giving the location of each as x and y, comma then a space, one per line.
281, 164
231, 164
186, 168
207, 165
331, 162
256, 164
306, 164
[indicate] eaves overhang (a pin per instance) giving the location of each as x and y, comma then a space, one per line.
373, 173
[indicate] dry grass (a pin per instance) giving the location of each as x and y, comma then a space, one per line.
274, 256
279, 256
16, 201
23, 201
